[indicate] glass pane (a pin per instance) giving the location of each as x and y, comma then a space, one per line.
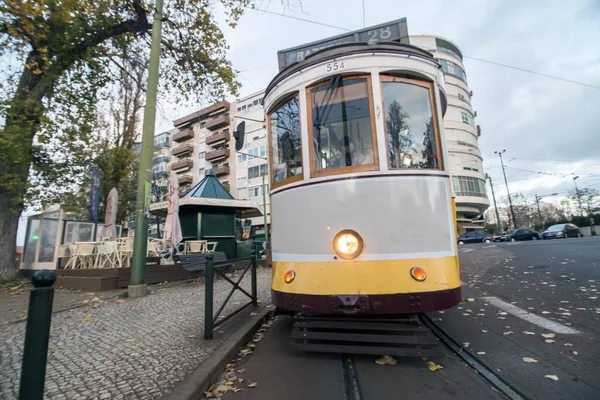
285, 136
78, 232
31, 241
48, 238
341, 118
409, 126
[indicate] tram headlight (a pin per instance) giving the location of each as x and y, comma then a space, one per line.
348, 244
418, 274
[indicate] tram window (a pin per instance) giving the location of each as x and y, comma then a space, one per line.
286, 145
410, 129
342, 129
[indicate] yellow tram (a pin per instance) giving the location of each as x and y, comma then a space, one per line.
362, 205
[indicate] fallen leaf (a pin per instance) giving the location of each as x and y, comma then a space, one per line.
85, 301
502, 313
241, 371
508, 333
480, 353
252, 385
575, 353
385, 360
88, 319
553, 377
229, 365
484, 331
549, 341
544, 312
96, 299
470, 299
120, 301
529, 333
130, 340
568, 345
433, 366
548, 335
240, 380
529, 360
466, 344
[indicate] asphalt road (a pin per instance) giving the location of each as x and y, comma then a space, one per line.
528, 299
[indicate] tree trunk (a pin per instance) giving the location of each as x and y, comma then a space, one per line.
9, 222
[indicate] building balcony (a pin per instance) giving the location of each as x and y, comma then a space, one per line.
218, 139
186, 179
160, 159
217, 155
217, 123
182, 164
183, 150
163, 145
221, 170
160, 174
184, 135
226, 186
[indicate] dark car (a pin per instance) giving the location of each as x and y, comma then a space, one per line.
521, 234
562, 231
474, 237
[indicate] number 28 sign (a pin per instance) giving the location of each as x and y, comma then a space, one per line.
392, 31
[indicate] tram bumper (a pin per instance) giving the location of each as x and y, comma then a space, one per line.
401, 303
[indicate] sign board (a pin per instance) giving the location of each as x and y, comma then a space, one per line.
95, 193
592, 221
394, 31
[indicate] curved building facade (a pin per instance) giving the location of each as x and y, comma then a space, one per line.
461, 132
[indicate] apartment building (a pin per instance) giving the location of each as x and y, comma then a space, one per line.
462, 134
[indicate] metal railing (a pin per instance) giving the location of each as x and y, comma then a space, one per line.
211, 320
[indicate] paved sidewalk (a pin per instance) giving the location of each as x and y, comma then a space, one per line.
122, 348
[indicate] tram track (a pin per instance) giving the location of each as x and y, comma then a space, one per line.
351, 384
477, 365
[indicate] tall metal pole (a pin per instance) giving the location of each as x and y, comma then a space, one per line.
578, 195
138, 286
498, 222
265, 212
512, 211
537, 202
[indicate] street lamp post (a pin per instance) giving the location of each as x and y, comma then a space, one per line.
537, 202
512, 211
498, 222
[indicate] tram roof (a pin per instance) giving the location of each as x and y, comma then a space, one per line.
345, 50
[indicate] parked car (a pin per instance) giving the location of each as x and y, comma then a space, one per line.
521, 234
475, 237
562, 231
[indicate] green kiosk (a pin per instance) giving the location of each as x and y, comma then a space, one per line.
209, 212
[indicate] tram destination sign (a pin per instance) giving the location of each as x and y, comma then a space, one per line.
394, 31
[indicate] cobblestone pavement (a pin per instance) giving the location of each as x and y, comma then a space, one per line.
132, 349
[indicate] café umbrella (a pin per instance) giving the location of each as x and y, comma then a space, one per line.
109, 230
172, 232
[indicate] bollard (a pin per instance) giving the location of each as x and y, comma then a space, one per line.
37, 334
253, 279
208, 297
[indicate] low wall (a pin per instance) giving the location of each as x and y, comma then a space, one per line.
587, 230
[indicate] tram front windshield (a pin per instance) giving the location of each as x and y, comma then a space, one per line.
341, 124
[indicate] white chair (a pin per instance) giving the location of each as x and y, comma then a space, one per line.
153, 249
211, 247
84, 255
125, 247
63, 252
196, 246
107, 255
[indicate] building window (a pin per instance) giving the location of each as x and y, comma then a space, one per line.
469, 186
284, 128
249, 105
239, 109
411, 132
202, 125
241, 158
254, 192
450, 68
467, 168
461, 97
263, 151
201, 155
242, 194
244, 107
201, 172
466, 118
257, 171
256, 102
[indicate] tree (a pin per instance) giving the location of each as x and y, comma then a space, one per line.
65, 53
589, 199
525, 212
399, 140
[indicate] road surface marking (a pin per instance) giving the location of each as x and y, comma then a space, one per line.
487, 247
532, 318
466, 250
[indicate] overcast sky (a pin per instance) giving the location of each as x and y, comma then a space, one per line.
545, 125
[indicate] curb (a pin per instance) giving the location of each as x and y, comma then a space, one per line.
200, 379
